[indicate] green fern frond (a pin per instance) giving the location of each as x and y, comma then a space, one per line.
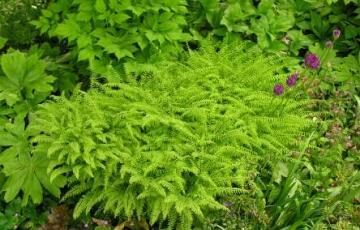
167, 146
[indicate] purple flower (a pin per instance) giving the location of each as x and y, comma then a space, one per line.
329, 44
336, 33
291, 81
227, 204
278, 89
312, 61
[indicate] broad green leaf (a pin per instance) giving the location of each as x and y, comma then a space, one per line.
47, 13
70, 29
209, 4
2, 42
280, 171
264, 6
13, 66
298, 40
100, 6
13, 185
120, 17
32, 188
83, 41
235, 15
86, 54
6, 139
10, 98
28, 174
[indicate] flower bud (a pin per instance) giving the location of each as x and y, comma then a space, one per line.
278, 89
312, 61
336, 33
329, 44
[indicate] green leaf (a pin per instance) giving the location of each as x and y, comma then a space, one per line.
13, 185
47, 13
264, 6
10, 98
32, 188
100, 6
25, 79
83, 41
70, 29
298, 40
2, 42
13, 66
86, 54
24, 171
235, 14
27, 173
280, 171
120, 17
6, 139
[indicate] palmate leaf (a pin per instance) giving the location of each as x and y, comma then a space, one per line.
25, 172
24, 78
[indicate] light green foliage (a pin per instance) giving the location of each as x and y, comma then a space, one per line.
121, 29
23, 81
23, 84
163, 147
25, 172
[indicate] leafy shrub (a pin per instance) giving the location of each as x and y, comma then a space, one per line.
279, 25
163, 147
120, 29
15, 16
23, 84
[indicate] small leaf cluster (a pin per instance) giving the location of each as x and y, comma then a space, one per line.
14, 216
115, 29
165, 146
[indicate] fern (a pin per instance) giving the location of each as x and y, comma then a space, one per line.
164, 148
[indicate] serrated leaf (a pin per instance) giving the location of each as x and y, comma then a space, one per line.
69, 29
86, 54
83, 41
100, 6
14, 66
120, 17
32, 188
6, 139
47, 13
13, 185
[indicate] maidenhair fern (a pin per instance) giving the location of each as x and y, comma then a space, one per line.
166, 146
